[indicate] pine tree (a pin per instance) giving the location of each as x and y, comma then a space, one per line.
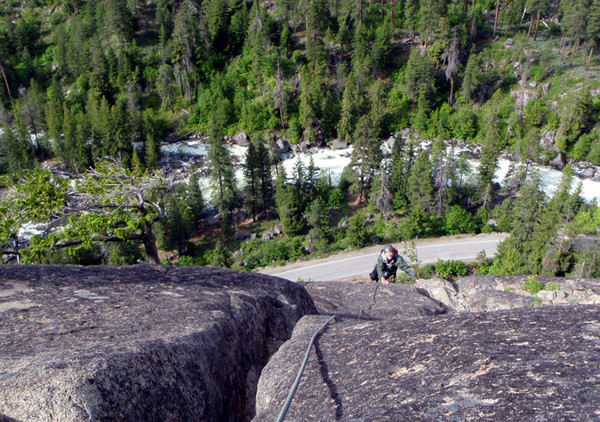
217, 16
441, 168
14, 150
403, 157
222, 174
490, 154
238, 26
176, 227
431, 12
151, 134
251, 199
366, 157
265, 178
188, 45
221, 256
54, 111
319, 226
469, 83
419, 77
194, 199
307, 112
378, 100
345, 128
137, 166
380, 52
593, 28
357, 234
420, 183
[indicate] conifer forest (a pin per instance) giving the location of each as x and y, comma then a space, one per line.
91, 89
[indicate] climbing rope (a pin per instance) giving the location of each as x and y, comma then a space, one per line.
294, 387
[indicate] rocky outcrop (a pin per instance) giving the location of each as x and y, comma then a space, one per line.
371, 301
533, 363
523, 96
138, 343
180, 344
492, 293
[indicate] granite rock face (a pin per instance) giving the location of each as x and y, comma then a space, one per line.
493, 293
139, 343
535, 363
371, 301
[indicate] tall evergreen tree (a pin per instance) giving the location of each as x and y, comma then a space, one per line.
366, 157
251, 199
348, 115
420, 183
194, 199
222, 174
470, 78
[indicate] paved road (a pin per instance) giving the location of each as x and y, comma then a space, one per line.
357, 264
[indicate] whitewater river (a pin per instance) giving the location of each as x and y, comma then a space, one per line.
332, 162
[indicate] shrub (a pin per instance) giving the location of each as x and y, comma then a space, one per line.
463, 124
552, 286
189, 261
337, 198
357, 234
532, 285
458, 220
445, 269
426, 271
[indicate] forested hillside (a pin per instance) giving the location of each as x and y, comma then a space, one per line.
91, 88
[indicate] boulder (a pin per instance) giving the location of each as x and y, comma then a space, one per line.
537, 363
371, 301
523, 96
283, 149
558, 162
441, 290
338, 144
241, 138
139, 343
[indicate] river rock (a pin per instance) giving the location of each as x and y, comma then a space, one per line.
143, 343
283, 149
371, 301
539, 363
338, 144
241, 138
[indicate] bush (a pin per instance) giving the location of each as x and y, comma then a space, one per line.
357, 234
190, 261
533, 285
446, 269
274, 251
463, 124
458, 220
337, 199
426, 271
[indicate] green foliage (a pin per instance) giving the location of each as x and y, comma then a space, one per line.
221, 257
533, 285
447, 269
124, 253
458, 220
357, 234
276, 251
93, 79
